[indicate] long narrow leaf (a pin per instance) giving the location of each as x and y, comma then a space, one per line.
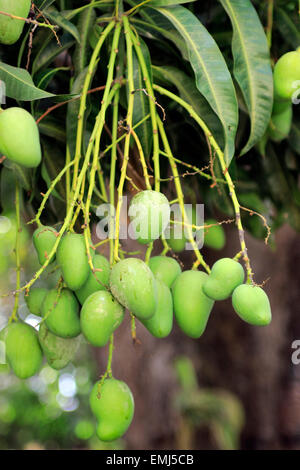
252, 67
213, 78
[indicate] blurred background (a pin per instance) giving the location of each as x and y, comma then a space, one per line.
234, 388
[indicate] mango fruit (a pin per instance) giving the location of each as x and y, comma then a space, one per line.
23, 351
178, 233
149, 213
281, 123
19, 137
286, 74
100, 315
58, 351
4, 366
97, 281
10, 28
252, 305
133, 284
226, 274
35, 299
214, 237
44, 238
73, 261
113, 409
61, 313
160, 325
191, 306
165, 269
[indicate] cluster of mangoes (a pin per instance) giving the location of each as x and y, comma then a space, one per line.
286, 85
93, 303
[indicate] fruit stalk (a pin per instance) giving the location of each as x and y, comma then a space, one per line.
13, 316
225, 171
152, 107
128, 134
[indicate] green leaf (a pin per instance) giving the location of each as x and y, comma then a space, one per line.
252, 67
51, 167
287, 27
45, 77
52, 128
58, 18
167, 3
213, 79
156, 24
86, 21
22, 174
49, 53
141, 101
73, 111
189, 92
19, 84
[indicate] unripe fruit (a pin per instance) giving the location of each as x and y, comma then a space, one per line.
214, 237
226, 274
150, 211
61, 312
132, 283
97, 281
100, 315
280, 124
165, 269
72, 258
4, 368
252, 305
113, 409
286, 74
44, 238
178, 233
10, 28
35, 299
160, 325
23, 351
58, 351
191, 306
19, 137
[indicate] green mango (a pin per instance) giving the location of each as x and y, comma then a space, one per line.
97, 281
226, 274
286, 74
61, 312
4, 366
35, 299
165, 269
100, 315
214, 237
177, 239
160, 325
191, 306
149, 213
58, 351
252, 305
280, 124
19, 137
10, 28
23, 351
113, 409
72, 258
132, 283
44, 238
